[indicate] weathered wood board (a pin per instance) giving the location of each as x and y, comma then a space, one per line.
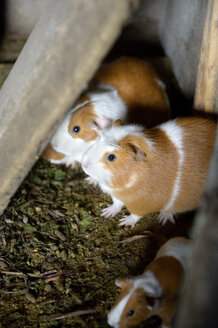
59, 57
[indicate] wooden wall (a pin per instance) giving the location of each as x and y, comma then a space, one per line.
181, 29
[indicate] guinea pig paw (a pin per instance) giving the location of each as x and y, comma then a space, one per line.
129, 220
69, 162
163, 217
92, 181
110, 211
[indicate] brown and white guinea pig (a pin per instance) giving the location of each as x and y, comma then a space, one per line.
127, 89
160, 169
156, 291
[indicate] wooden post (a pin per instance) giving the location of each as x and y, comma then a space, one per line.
198, 307
62, 53
206, 94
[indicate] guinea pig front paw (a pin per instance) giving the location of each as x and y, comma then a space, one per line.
110, 211
130, 220
92, 181
163, 217
69, 161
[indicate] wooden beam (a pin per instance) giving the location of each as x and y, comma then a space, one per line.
206, 93
181, 31
63, 51
198, 307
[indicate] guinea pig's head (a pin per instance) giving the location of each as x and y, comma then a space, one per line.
116, 156
140, 298
92, 114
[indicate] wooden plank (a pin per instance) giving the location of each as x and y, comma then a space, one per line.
63, 51
181, 32
198, 307
206, 98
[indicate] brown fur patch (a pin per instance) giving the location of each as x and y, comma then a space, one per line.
83, 117
49, 153
137, 84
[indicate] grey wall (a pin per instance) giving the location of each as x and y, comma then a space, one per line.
181, 29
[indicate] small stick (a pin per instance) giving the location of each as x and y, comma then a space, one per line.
136, 237
60, 316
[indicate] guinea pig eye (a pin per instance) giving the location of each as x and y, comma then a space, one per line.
130, 313
111, 157
76, 129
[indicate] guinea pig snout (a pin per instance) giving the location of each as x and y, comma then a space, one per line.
111, 322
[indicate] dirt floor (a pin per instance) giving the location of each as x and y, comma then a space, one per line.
59, 259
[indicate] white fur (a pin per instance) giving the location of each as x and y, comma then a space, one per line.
179, 248
175, 134
113, 209
114, 315
150, 284
113, 135
163, 217
68, 161
130, 220
108, 103
92, 165
132, 181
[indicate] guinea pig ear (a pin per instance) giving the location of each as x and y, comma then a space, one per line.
122, 283
102, 122
117, 123
153, 302
139, 153
134, 145
152, 286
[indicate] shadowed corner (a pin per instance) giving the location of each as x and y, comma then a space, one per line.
2, 19
153, 322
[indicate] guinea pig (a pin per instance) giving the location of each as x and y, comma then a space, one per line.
127, 89
57, 158
156, 291
160, 169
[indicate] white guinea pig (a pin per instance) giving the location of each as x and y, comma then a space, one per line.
160, 169
156, 291
127, 89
